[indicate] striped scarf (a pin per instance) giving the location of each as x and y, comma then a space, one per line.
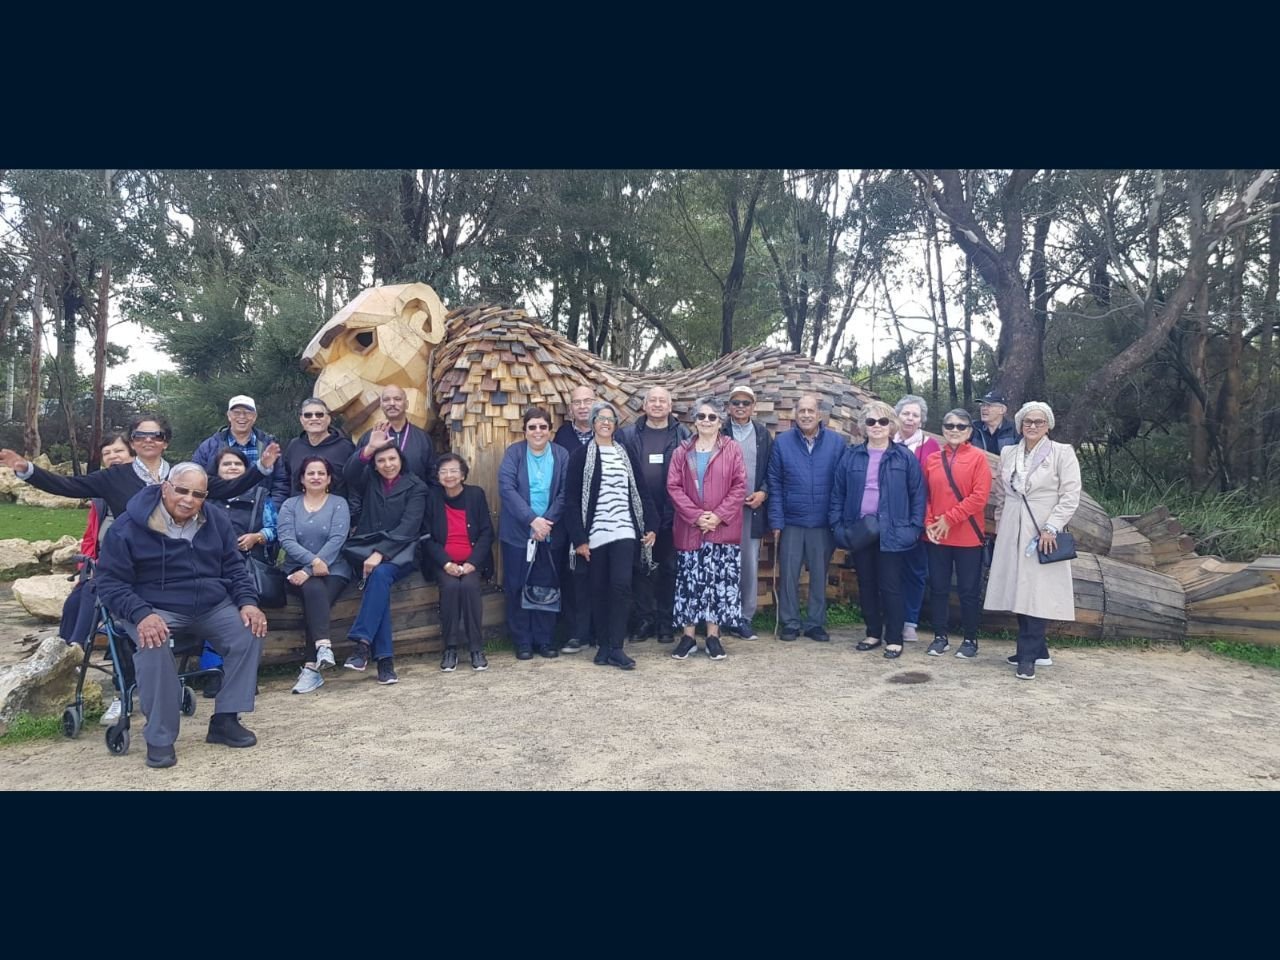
637, 506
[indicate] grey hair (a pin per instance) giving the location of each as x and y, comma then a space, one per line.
313, 402
912, 398
1029, 406
714, 403
960, 413
186, 466
600, 405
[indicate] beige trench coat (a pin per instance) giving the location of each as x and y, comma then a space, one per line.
1020, 583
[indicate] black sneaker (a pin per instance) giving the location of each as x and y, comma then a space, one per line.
789, 634
669, 637
742, 630
968, 650
601, 659
819, 634
387, 671
161, 757
619, 659
1026, 671
715, 650
449, 659
478, 662
573, 645
549, 652
685, 647
225, 728
1040, 661
359, 658
939, 646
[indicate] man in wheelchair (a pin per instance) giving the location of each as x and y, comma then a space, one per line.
168, 566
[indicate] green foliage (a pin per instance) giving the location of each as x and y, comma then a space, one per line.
40, 523
1246, 652
25, 728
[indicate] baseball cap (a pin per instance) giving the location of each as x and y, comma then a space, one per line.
240, 400
742, 388
994, 396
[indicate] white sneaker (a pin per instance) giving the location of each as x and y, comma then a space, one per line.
324, 657
909, 633
308, 680
112, 714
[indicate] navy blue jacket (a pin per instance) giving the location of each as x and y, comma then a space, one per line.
1005, 436
902, 496
140, 569
207, 452
799, 482
513, 487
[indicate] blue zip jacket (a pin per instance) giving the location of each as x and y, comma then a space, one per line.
513, 487
140, 569
799, 482
902, 496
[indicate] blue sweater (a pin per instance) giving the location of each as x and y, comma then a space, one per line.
140, 569
902, 496
799, 482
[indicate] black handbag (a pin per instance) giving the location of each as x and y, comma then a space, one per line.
268, 580
1066, 543
540, 599
862, 533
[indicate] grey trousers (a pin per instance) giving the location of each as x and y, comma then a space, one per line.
750, 568
813, 547
159, 692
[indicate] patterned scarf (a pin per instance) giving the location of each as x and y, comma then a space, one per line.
147, 478
637, 506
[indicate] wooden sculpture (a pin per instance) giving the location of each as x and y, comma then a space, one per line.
469, 373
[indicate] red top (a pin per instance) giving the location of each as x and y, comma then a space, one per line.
89, 542
457, 545
972, 474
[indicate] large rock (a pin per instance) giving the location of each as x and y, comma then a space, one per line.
9, 484
65, 555
18, 558
25, 493
44, 683
45, 549
43, 596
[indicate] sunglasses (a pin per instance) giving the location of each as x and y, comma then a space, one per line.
313, 415
1035, 423
188, 492
713, 417
147, 435
741, 403
956, 426
537, 426
608, 420
883, 421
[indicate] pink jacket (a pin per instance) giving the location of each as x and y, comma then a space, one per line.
724, 488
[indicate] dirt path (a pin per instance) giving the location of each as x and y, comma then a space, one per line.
773, 716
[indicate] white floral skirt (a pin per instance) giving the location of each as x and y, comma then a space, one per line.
707, 584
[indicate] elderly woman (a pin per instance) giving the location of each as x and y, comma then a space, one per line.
313, 529
881, 480
958, 481
606, 513
531, 486
1035, 495
458, 555
319, 438
707, 484
912, 413
389, 504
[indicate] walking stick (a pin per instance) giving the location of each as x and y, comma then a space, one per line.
774, 590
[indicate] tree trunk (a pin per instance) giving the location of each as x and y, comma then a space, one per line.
933, 303
1235, 430
946, 325
1266, 385
902, 343
1039, 296
100, 365
1196, 412
968, 331
31, 435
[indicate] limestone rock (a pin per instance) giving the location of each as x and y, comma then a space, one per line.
43, 596
18, 558
25, 493
42, 684
9, 484
65, 555
45, 549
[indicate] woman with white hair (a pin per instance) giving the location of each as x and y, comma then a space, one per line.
912, 413
1035, 497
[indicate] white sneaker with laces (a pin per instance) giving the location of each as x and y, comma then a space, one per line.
308, 680
324, 657
112, 714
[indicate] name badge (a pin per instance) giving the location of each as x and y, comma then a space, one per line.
655, 457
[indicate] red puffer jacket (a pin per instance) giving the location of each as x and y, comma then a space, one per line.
724, 488
973, 476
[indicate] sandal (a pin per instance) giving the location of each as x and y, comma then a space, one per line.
892, 654
867, 645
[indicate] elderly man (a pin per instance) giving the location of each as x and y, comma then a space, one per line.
241, 434
653, 439
996, 430
756, 444
169, 566
413, 443
802, 469
575, 584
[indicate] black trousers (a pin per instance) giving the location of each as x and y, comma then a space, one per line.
655, 590
610, 578
318, 595
880, 592
575, 596
1031, 641
967, 563
461, 608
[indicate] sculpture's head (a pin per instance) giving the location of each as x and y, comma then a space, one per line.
384, 336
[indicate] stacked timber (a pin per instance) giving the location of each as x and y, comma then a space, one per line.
1238, 601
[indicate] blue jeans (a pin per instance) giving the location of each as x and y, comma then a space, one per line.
373, 622
529, 629
915, 571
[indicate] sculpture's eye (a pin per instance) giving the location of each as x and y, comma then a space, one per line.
363, 341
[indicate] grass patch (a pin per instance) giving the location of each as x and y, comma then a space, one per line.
40, 523
1246, 652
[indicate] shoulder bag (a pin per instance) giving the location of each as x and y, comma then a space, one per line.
1066, 545
987, 543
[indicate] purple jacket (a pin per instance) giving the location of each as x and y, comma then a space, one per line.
724, 488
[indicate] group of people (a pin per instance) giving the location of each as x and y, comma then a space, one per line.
608, 531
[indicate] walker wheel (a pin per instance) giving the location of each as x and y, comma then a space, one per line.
117, 741
188, 701
72, 719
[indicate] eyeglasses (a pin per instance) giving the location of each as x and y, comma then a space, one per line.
713, 417
956, 426
741, 403
188, 492
313, 415
147, 435
609, 420
883, 421
537, 426
1035, 423
237, 412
